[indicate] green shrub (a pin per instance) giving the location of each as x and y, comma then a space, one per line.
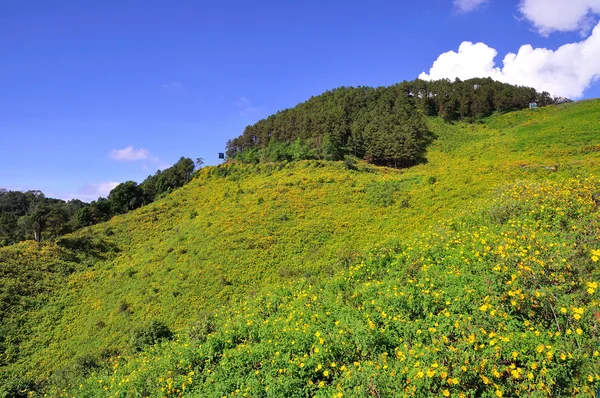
350, 162
85, 364
17, 387
152, 334
383, 194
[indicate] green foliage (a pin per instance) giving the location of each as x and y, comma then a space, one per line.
386, 194
17, 387
469, 308
152, 334
169, 179
381, 125
270, 285
350, 162
125, 197
30, 215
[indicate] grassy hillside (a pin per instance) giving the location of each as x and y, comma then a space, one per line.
501, 303
212, 253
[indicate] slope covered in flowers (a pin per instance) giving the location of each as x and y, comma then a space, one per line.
72, 307
503, 302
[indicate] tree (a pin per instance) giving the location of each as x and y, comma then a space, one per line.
8, 228
125, 197
83, 217
184, 171
35, 222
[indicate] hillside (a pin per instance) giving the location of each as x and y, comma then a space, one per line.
288, 244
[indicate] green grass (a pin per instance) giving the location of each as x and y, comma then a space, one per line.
237, 232
503, 302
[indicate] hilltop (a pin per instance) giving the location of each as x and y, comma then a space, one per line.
255, 269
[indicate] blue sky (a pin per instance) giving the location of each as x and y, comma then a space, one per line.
95, 93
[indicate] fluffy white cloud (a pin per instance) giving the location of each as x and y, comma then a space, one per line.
560, 15
467, 5
130, 154
566, 72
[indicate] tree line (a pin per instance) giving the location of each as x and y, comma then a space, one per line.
383, 125
31, 215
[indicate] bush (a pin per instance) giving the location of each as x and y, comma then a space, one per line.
17, 388
383, 194
152, 334
350, 162
85, 364
124, 307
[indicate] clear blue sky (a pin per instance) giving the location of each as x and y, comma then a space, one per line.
81, 79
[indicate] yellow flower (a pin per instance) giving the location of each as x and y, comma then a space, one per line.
591, 287
446, 393
579, 331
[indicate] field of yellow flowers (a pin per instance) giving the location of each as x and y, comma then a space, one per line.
503, 302
475, 274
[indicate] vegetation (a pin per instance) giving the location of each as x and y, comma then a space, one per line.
501, 303
129, 195
380, 125
30, 215
474, 274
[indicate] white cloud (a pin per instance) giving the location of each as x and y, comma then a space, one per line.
130, 154
173, 88
560, 15
567, 71
467, 5
96, 190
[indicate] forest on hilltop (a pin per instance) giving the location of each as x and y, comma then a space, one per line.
383, 125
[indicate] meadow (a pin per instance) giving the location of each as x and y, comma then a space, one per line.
474, 274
